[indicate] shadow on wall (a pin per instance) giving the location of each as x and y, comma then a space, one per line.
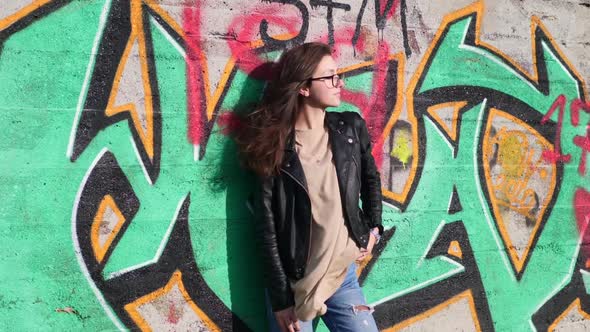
243, 263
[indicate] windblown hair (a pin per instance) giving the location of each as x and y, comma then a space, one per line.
263, 133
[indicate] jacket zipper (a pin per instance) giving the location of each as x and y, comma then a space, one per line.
310, 218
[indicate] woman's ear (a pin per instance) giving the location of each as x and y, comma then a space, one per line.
304, 91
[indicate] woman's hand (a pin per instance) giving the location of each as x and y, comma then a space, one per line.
367, 251
287, 320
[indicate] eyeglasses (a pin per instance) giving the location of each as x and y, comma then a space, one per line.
334, 80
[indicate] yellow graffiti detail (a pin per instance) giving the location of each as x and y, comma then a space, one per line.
402, 149
515, 157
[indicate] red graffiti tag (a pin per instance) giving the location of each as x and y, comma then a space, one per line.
391, 12
244, 30
191, 24
583, 142
576, 106
581, 196
373, 108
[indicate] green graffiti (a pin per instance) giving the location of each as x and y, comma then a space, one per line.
39, 110
483, 78
51, 277
40, 272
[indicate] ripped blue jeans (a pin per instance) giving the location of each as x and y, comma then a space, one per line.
347, 309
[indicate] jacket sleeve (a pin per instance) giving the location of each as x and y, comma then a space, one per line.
276, 281
370, 178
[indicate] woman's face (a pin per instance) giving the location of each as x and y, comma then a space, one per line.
324, 88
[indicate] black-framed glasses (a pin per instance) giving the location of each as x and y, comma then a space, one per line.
333, 79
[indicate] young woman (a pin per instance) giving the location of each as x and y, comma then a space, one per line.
313, 167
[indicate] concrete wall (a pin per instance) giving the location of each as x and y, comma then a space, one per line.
123, 205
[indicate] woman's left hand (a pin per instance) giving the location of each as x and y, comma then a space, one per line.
367, 251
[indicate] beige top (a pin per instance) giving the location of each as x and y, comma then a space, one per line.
332, 249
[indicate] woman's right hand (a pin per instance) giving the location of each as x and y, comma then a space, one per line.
287, 320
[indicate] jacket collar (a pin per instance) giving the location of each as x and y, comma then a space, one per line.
332, 121
291, 163
341, 151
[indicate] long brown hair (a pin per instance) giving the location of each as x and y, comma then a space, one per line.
263, 133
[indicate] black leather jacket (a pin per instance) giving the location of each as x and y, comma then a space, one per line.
284, 207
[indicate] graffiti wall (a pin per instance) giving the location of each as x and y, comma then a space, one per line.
124, 206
